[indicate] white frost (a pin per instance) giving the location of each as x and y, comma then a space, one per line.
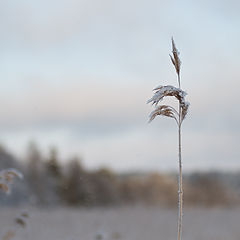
163, 91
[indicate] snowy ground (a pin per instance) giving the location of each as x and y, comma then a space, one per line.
135, 223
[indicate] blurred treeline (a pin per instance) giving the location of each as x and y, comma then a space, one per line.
48, 183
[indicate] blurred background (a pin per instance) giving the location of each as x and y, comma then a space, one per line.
75, 77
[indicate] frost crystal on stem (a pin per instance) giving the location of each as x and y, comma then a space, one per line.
164, 91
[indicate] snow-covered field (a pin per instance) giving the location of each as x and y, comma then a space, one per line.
136, 223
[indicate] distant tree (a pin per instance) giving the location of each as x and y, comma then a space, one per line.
131, 190
52, 163
35, 174
34, 159
206, 191
106, 187
7, 160
77, 187
55, 178
160, 189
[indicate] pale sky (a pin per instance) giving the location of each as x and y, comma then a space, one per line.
76, 74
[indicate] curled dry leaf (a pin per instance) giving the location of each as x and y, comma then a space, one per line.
25, 215
20, 222
164, 91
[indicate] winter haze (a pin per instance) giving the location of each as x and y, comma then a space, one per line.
77, 75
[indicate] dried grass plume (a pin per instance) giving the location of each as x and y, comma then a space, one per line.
178, 115
6, 178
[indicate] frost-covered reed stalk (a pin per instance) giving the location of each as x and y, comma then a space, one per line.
178, 115
6, 178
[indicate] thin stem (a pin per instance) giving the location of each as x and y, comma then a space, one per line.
179, 82
180, 188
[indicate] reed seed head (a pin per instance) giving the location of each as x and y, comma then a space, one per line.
175, 58
163, 110
164, 91
6, 178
